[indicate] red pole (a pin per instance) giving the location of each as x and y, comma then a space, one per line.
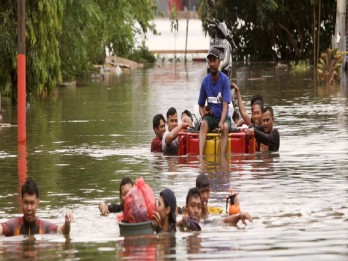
22, 170
21, 69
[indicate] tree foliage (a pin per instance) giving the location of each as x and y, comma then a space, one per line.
43, 27
274, 29
8, 46
64, 38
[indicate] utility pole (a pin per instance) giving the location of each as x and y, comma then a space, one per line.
187, 26
21, 94
21, 73
340, 32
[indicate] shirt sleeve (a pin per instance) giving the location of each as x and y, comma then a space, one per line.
202, 94
115, 208
226, 93
269, 139
156, 145
6, 229
9, 227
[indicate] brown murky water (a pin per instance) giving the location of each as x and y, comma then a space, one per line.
83, 140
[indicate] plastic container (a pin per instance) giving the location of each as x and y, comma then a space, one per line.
192, 144
238, 142
210, 146
251, 143
132, 229
182, 143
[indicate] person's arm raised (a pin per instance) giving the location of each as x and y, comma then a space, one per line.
173, 134
246, 117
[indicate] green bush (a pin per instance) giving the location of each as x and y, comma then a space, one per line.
329, 66
300, 66
142, 55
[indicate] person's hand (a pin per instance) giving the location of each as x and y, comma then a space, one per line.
103, 208
248, 131
221, 126
69, 217
207, 111
156, 220
234, 86
245, 216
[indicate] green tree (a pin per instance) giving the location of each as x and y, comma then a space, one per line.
125, 19
65, 38
8, 46
82, 40
274, 29
43, 24
43, 28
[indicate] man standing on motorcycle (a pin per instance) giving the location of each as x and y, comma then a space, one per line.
215, 90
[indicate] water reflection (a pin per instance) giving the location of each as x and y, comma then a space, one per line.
151, 247
35, 248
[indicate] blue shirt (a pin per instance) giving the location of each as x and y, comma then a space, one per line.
215, 93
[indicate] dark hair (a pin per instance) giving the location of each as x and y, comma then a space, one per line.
30, 187
268, 108
258, 102
170, 200
125, 181
156, 120
171, 111
188, 113
193, 192
202, 181
255, 98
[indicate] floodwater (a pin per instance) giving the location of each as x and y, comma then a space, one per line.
83, 140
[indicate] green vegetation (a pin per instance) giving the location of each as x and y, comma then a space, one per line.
276, 29
66, 37
329, 66
142, 55
300, 66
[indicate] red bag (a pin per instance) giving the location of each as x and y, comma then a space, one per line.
140, 203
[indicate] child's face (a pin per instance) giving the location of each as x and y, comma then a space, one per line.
205, 194
187, 120
194, 208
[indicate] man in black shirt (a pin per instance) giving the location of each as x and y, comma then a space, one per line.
125, 186
266, 136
